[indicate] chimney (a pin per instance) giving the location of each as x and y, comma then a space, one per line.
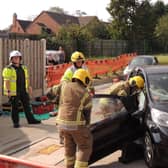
14, 19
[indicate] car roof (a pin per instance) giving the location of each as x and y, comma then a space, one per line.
155, 69
145, 56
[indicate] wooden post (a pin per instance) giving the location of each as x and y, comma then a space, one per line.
43, 51
1, 62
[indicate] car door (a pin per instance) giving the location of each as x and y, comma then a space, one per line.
112, 126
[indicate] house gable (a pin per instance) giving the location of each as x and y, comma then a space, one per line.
19, 26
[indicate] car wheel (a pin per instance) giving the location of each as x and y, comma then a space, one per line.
149, 152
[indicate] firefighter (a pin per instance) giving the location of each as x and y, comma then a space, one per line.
16, 87
129, 87
129, 91
78, 60
74, 119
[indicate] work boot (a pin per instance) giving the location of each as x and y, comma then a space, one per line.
34, 121
69, 166
16, 125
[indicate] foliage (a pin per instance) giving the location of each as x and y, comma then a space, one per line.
134, 19
80, 13
98, 29
58, 10
122, 12
143, 22
161, 31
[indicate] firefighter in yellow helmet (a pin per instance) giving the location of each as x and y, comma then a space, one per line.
16, 87
129, 91
78, 60
129, 87
74, 119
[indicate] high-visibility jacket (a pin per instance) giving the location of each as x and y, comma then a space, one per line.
75, 106
69, 73
9, 74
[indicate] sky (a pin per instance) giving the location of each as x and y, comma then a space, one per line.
28, 9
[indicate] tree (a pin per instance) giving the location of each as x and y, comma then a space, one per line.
134, 19
58, 10
161, 31
74, 35
143, 22
159, 9
122, 12
80, 13
98, 29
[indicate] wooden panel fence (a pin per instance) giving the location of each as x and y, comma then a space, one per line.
96, 67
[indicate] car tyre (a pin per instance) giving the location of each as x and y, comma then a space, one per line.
149, 151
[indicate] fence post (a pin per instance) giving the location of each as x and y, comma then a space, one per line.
1, 62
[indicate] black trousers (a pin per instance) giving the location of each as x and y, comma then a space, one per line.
24, 98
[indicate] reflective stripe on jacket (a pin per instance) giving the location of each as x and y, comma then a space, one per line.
9, 74
75, 100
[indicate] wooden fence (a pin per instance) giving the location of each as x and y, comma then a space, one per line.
33, 55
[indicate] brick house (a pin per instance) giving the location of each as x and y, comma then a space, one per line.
19, 26
50, 21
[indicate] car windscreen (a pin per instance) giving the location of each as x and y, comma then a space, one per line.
141, 61
158, 86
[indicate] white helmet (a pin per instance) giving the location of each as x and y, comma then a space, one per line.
14, 53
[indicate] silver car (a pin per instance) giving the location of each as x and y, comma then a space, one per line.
140, 60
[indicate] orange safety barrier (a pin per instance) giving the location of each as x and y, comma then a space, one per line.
96, 67
11, 162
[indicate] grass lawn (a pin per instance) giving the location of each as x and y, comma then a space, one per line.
162, 58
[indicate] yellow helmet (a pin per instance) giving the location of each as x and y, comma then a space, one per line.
83, 75
137, 81
77, 56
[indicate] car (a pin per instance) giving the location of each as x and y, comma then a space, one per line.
140, 60
111, 131
155, 111
148, 124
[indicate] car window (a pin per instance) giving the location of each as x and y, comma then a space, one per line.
105, 107
141, 61
158, 86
